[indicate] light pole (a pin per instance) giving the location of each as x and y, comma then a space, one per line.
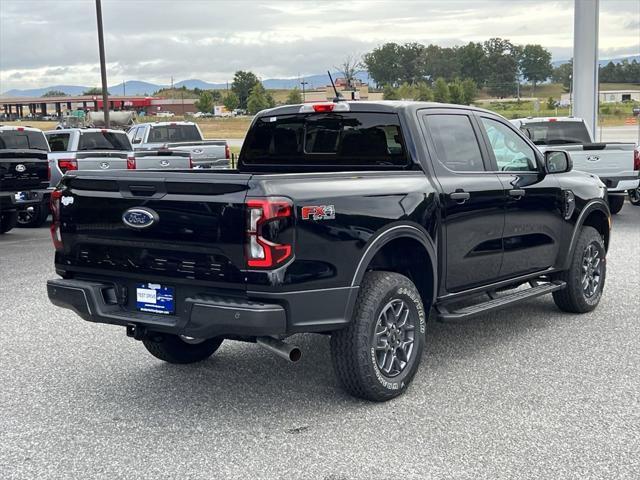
303, 83
103, 66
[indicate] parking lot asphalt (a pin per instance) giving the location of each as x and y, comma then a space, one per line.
528, 392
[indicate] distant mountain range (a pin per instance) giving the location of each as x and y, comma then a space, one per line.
137, 87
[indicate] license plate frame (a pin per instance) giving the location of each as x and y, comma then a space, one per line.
155, 298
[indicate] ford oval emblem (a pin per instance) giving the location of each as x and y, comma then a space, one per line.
593, 158
197, 151
139, 217
104, 165
20, 168
165, 163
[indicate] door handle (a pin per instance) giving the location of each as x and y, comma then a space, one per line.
460, 197
518, 193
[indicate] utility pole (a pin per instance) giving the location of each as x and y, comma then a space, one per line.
124, 88
103, 65
303, 83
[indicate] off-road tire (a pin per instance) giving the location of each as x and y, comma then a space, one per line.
616, 202
353, 348
634, 197
35, 219
173, 349
7, 221
572, 298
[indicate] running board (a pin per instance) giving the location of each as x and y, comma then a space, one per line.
499, 302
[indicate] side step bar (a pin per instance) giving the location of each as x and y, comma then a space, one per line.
496, 303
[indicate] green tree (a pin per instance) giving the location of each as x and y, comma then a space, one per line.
456, 92
551, 103
423, 92
440, 62
243, 83
502, 66
406, 91
383, 64
94, 91
472, 60
412, 63
230, 101
469, 91
205, 102
258, 99
390, 93
562, 74
54, 93
294, 97
216, 95
441, 91
535, 64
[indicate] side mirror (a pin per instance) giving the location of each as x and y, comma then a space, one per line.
557, 161
136, 140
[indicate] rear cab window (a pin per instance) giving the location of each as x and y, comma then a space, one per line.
331, 140
103, 141
174, 133
23, 139
556, 133
58, 142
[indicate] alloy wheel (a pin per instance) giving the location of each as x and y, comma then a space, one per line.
591, 270
394, 338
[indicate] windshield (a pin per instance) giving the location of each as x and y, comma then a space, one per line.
174, 133
20, 139
556, 133
349, 139
104, 141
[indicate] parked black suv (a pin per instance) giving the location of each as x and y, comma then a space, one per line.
352, 219
24, 177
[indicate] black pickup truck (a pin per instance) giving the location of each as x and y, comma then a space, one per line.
24, 177
352, 219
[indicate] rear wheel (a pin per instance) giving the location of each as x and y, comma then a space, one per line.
616, 203
377, 355
7, 221
181, 349
33, 216
586, 275
634, 196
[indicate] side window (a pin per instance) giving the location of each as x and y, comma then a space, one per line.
512, 153
139, 133
455, 142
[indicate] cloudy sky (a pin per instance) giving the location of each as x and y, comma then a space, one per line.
50, 42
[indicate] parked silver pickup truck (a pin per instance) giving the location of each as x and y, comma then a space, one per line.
613, 163
102, 149
183, 137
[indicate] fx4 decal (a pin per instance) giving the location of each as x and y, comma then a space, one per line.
319, 212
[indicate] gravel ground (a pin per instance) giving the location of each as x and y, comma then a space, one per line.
527, 392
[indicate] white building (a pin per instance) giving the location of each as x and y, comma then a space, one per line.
608, 96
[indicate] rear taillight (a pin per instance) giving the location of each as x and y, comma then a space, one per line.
269, 232
131, 162
190, 162
227, 151
636, 159
56, 237
66, 164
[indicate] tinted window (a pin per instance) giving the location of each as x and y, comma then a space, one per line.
174, 133
456, 143
23, 139
104, 141
349, 139
556, 133
58, 142
512, 153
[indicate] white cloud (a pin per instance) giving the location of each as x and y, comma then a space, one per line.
44, 42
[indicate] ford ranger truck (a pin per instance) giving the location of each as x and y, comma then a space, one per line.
350, 219
612, 162
24, 196
181, 137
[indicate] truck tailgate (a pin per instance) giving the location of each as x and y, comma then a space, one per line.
23, 170
197, 233
603, 160
102, 160
161, 159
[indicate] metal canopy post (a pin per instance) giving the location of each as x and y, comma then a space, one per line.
585, 62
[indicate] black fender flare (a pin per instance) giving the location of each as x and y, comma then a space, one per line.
593, 205
392, 232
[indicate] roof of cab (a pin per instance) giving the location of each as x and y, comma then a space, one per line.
381, 106
19, 127
84, 130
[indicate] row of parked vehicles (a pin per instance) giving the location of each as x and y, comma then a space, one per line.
32, 162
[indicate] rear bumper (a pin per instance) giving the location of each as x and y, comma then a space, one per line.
621, 184
32, 197
210, 163
208, 315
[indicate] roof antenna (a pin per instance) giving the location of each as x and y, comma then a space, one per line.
338, 97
